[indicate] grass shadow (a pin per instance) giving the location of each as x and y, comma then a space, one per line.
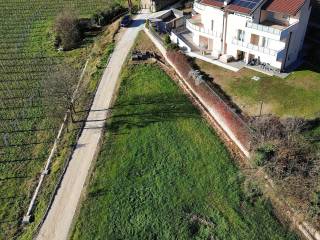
150, 110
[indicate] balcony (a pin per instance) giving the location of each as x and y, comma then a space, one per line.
258, 49
270, 29
263, 28
198, 7
194, 25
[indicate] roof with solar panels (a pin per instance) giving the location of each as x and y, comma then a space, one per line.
290, 7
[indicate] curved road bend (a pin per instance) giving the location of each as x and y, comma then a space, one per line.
59, 219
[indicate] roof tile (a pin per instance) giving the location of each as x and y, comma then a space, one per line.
290, 7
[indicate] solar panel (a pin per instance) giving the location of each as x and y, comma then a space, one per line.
251, 4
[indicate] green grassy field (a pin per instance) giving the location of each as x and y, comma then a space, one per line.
297, 95
27, 125
164, 174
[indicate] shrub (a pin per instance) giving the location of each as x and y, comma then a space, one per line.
289, 157
315, 204
67, 30
166, 39
252, 191
168, 44
173, 47
147, 23
263, 154
106, 16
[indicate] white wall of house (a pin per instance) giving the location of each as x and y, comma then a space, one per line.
213, 20
182, 44
279, 46
298, 35
238, 22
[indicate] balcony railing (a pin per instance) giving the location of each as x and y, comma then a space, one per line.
193, 27
198, 7
256, 48
263, 28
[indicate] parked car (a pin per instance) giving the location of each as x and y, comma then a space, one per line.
126, 21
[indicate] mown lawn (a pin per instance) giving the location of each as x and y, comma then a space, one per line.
161, 166
295, 96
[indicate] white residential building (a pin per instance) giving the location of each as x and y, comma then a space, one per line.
272, 31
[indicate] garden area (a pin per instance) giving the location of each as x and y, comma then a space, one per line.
295, 96
163, 173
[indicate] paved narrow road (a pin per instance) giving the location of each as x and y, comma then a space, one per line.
59, 220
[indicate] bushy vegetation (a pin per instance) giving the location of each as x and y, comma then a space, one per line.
67, 30
290, 156
164, 174
102, 18
169, 45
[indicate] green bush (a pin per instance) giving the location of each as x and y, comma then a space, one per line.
67, 30
252, 191
106, 16
147, 23
263, 154
172, 46
315, 204
166, 39
168, 44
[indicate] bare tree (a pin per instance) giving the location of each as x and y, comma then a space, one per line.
67, 30
60, 88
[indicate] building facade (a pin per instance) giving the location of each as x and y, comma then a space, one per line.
155, 5
271, 31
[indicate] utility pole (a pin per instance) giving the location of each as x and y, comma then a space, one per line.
261, 102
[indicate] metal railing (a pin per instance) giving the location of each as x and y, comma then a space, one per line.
251, 46
193, 27
263, 28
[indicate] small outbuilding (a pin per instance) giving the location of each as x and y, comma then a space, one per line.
166, 20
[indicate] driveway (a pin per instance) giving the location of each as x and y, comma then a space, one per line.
59, 220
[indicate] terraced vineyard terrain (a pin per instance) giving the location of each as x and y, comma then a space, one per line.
29, 120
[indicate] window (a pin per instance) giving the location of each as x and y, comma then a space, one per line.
240, 35
212, 25
265, 42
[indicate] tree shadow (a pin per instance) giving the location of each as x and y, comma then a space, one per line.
13, 178
98, 193
141, 112
13, 197
308, 66
22, 160
27, 130
24, 144
136, 23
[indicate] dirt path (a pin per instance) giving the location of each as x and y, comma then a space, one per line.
59, 220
